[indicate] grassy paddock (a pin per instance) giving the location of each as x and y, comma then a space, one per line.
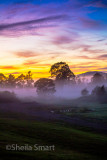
70, 143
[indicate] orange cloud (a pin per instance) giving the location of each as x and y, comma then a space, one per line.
100, 57
103, 57
9, 67
30, 62
26, 54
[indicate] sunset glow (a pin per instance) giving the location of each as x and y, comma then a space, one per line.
38, 33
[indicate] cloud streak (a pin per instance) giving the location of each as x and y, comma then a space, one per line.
9, 67
100, 57
26, 54
36, 21
30, 63
29, 26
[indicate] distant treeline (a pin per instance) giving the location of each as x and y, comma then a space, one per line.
16, 82
60, 75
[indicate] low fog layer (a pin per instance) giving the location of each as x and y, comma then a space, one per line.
63, 83
66, 91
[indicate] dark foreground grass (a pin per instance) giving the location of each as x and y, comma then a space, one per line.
70, 143
90, 110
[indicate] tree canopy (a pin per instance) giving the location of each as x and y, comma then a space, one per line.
97, 78
16, 82
45, 86
84, 92
61, 71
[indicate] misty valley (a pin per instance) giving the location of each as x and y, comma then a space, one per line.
53, 79
66, 111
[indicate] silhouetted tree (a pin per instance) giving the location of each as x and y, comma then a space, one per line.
2, 80
100, 93
84, 92
97, 78
106, 78
11, 81
20, 81
78, 80
61, 72
6, 96
83, 80
95, 91
29, 80
45, 87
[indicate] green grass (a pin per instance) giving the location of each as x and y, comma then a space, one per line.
90, 110
70, 143
83, 106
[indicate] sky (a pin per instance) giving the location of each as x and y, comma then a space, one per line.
34, 34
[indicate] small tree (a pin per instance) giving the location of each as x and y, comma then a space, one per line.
97, 78
45, 87
84, 92
11, 81
6, 96
29, 79
2, 80
100, 93
20, 81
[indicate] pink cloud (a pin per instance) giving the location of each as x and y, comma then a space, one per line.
26, 54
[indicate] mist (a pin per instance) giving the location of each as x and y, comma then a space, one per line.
66, 91
62, 92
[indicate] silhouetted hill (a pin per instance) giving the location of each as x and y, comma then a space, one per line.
91, 73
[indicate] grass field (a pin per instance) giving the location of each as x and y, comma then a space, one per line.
89, 110
70, 143
83, 107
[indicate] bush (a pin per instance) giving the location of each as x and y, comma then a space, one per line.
6, 96
85, 92
100, 93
